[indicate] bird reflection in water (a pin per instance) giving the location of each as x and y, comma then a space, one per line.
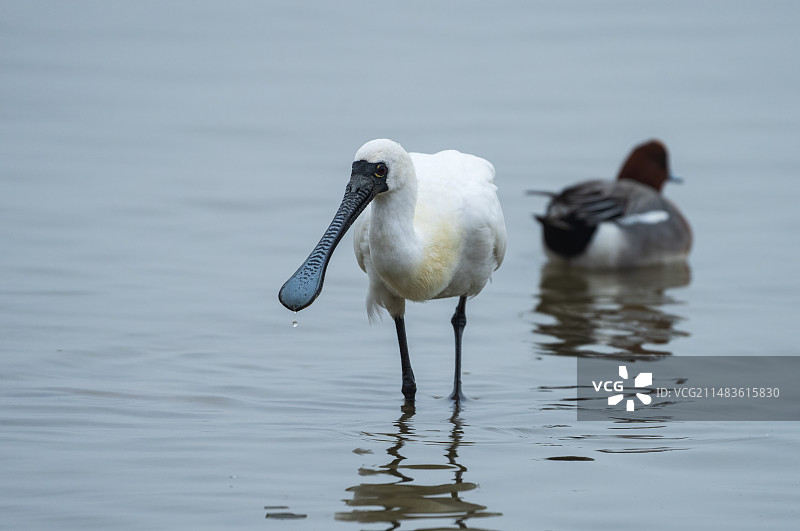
613, 314
401, 498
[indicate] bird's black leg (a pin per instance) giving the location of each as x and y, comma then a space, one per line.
409, 385
459, 321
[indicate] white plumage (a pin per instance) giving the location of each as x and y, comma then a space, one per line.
437, 232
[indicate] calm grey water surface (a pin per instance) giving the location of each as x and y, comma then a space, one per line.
166, 165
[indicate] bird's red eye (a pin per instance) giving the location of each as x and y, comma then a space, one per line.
381, 170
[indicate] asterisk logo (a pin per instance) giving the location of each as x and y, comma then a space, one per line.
643, 379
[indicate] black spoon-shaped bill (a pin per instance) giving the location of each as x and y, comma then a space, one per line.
306, 284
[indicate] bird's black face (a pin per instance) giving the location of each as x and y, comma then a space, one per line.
376, 170
367, 179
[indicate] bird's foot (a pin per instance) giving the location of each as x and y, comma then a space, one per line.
457, 396
409, 390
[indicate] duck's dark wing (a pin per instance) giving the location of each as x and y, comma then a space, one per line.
572, 215
584, 205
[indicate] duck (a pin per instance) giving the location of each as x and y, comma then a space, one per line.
624, 223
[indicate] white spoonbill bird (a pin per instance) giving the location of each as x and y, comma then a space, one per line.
434, 229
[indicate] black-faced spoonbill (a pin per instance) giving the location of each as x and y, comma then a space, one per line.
617, 224
434, 229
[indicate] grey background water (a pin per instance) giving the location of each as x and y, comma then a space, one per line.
164, 166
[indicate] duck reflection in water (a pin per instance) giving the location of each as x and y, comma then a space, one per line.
404, 499
616, 314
